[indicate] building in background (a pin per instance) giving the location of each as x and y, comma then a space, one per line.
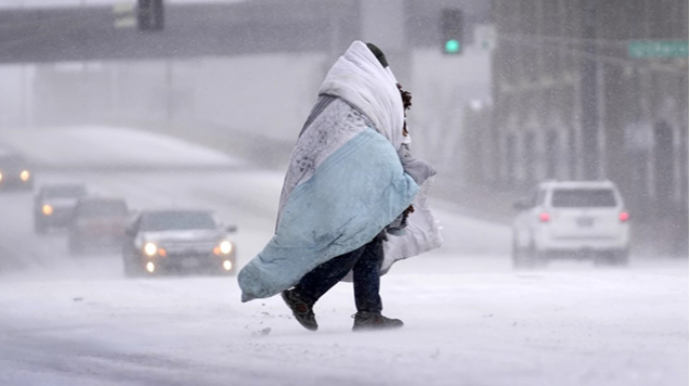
587, 89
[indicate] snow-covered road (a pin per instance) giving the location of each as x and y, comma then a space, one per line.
470, 320
574, 326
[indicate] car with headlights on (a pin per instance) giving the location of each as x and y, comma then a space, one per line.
54, 205
98, 222
178, 241
15, 172
571, 219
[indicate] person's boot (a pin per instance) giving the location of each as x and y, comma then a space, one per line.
374, 321
301, 309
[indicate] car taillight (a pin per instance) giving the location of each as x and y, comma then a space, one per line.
544, 217
624, 216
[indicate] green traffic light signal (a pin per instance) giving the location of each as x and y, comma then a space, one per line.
452, 31
452, 46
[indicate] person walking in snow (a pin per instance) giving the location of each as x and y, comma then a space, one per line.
347, 196
364, 263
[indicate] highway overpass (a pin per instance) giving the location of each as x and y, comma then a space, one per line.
223, 29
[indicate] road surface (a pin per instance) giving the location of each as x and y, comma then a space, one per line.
470, 319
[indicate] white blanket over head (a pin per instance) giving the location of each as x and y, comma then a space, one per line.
360, 79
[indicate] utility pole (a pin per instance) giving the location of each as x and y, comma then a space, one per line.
168, 91
84, 75
589, 94
24, 96
638, 183
23, 92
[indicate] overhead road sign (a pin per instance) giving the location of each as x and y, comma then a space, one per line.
125, 15
658, 49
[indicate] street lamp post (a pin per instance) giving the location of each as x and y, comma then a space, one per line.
24, 108
589, 95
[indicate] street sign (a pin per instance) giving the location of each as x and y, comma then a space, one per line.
485, 36
658, 49
124, 14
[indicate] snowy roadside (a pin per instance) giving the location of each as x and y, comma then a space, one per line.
96, 147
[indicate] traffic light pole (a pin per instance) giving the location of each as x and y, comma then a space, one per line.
24, 109
589, 95
24, 95
637, 181
168, 91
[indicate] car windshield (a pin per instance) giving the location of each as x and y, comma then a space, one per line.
102, 209
583, 198
167, 221
66, 191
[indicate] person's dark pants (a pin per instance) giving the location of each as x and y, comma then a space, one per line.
364, 262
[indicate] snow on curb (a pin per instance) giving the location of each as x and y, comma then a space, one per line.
110, 147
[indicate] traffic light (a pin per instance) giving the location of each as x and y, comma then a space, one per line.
150, 15
451, 31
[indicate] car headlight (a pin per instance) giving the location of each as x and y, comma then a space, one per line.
150, 249
225, 247
0, 176
24, 175
47, 210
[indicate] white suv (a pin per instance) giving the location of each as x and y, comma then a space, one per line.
579, 219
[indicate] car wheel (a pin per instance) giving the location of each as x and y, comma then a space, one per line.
76, 246
528, 258
39, 227
541, 259
131, 265
680, 248
223, 272
522, 258
617, 258
220, 271
131, 269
